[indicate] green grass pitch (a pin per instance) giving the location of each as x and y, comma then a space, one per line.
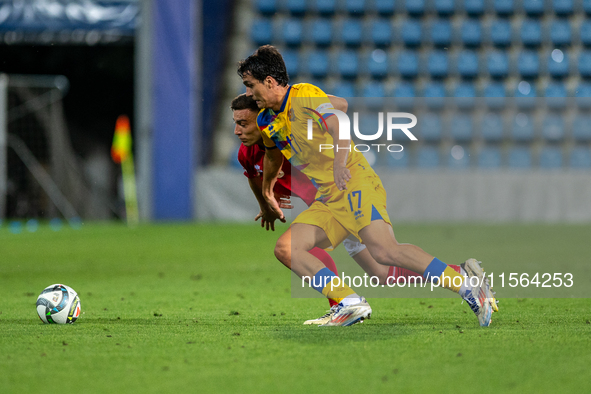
207, 308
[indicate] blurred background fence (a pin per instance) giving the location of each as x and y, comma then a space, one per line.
42, 175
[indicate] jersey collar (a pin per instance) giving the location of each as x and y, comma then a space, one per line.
285, 100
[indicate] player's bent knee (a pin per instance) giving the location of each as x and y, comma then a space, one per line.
283, 252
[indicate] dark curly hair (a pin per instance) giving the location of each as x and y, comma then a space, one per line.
265, 61
244, 102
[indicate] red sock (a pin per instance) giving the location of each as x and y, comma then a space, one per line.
410, 276
391, 278
321, 255
456, 268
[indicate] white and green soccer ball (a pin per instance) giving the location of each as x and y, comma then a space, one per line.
58, 304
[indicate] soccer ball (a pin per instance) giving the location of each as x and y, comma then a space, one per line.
58, 304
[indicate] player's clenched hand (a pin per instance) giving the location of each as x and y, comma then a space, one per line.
342, 175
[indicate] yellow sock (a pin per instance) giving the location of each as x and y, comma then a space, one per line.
451, 279
335, 292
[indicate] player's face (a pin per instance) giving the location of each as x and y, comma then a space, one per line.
259, 91
246, 127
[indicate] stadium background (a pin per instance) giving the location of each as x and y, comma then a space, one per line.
501, 89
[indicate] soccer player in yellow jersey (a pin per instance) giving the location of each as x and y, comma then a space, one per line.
350, 197
293, 183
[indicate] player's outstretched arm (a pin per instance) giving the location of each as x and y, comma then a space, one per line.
271, 167
256, 185
341, 153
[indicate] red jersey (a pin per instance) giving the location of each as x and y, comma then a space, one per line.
290, 181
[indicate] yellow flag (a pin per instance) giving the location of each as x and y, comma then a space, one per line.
121, 148
121, 154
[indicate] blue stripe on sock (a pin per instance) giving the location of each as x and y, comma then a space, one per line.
434, 269
321, 278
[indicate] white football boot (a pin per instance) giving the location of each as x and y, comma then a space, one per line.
322, 319
480, 297
347, 315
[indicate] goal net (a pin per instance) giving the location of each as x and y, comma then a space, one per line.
40, 175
